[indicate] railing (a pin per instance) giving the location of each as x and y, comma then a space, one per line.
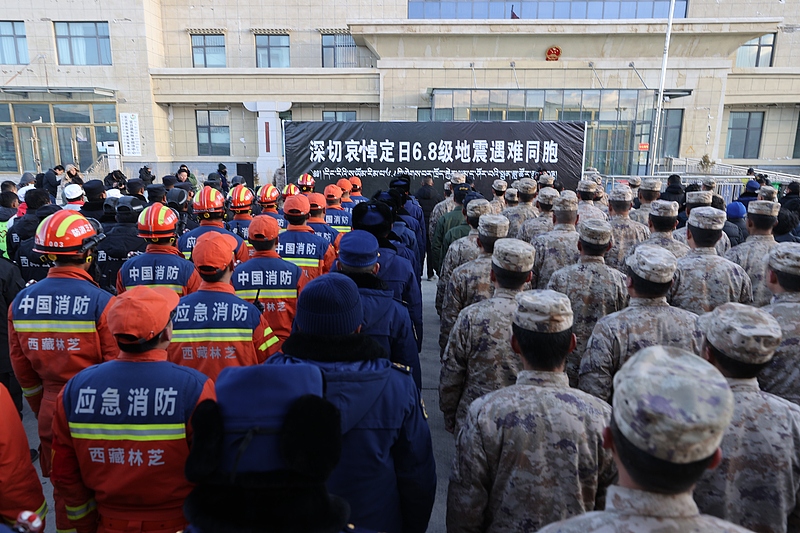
688, 165
729, 187
99, 169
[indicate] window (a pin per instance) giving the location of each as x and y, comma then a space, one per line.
796, 152
544, 9
339, 116
83, 43
339, 51
208, 51
756, 52
671, 124
744, 135
213, 133
272, 51
13, 44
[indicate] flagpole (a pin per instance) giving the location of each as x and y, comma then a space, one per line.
660, 95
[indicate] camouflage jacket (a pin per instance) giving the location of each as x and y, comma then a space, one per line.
497, 205
722, 246
705, 281
641, 215
752, 256
782, 376
594, 290
533, 227
463, 250
439, 210
587, 210
637, 511
469, 283
478, 357
517, 215
618, 336
554, 250
528, 455
664, 240
757, 484
627, 234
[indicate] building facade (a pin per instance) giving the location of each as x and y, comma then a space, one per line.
205, 83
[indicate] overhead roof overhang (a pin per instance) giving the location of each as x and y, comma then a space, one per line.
24, 91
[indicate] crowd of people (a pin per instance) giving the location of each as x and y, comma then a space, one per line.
204, 357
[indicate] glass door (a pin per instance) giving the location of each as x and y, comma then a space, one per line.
38, 152
75, 146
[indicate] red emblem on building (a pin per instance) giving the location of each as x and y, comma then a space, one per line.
553, 53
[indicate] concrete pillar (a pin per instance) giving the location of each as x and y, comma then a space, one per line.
270, 137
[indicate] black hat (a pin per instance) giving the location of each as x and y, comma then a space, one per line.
169, 180
184, 185
156, 189
129, 205
177, 197
93, 188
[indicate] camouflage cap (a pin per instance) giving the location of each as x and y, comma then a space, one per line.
513, 255
785, 257
586, 185
546, 180
500, 185
767, 193
568, 201
652, 263
478, 207
547, 195
707, 218
634, 182
663, 208
650, 185
514, 184
709, 182
493, 226
511, 195
764, 207
543, 311
672, 404
458, 177
621, 193
699, 197
742, 332
526, 186
595, 231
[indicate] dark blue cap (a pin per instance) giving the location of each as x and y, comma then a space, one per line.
373, 216
736, 210
358, 249
329, 305
460, 191
473, 195
752, 185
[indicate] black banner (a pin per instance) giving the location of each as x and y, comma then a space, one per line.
485, 151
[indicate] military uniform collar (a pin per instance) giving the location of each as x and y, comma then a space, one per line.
662, 235
743, 385
510, 294
767, 238
786, 297
543, 379
622, 500
586, 202
564, 227
472, 231
648, 302
704, 251
592, 259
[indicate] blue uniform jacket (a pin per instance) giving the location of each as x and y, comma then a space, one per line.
187, 241
239, 227
387, 471
277, 216
324, 230
398, 273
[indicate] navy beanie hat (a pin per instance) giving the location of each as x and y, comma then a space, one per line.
329, 305
736, 210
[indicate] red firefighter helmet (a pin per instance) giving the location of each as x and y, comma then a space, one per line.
306, 183
268, 194
157, 221
241, 198
290, 190
65, 232
208, 200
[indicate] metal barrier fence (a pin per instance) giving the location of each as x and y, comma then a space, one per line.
729, 187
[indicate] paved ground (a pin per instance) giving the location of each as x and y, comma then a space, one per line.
443, 446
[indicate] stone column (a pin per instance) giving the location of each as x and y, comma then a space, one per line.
270, 138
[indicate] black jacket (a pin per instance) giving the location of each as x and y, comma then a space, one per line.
10, 284
93, 209
734, 233
121, 241
428, 197
674, 193
24, 228
146, 176
51, 182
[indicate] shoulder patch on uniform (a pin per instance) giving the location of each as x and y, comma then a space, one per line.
402, 368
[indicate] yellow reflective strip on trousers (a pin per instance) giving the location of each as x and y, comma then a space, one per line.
42, 510
212, 335
32, 391
267, 293
66, 326
302, 261
76, 513
135, 432
267, 343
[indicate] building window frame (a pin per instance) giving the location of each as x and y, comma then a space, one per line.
13, 31
266, 44
545, 9
339, 116
339, 50
671, 133
757, 53
746, 135
213, 123
202, 44
796, 151
70, 39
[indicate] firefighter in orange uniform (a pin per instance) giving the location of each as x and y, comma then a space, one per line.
214, 328
20, 489
316, 220
306, 184
209, 206
299, 244
57, 327
121, 429
268, 197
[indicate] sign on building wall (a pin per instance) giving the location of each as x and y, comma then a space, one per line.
129, 134
486, 151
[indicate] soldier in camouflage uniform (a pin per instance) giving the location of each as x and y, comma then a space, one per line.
647, 321
446, 222
767, 194
517, 443
782, 376
752, 254
463, 250
595, 289
586, 208
705, 280
634, 182
478, 358
511, 197
445, 206
525, 209
701, 199
557, 248
470, 283
670, 414
765, 430
649, 191
627, 233
545, 180
534, 227
661, 222
498, 202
